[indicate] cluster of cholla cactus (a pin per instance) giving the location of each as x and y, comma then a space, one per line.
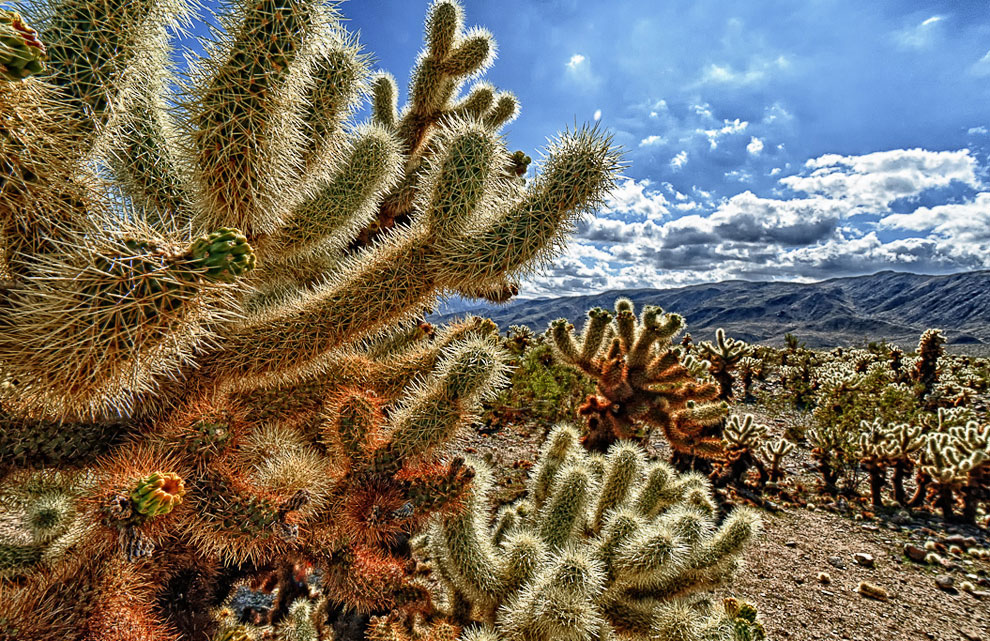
600, 547
643, 382
724, 357
951, 456
748, 446
208, 374
956, 464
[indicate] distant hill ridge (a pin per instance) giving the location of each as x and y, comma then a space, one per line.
894, 306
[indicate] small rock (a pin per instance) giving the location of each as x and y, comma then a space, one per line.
945, 582
864, 559
837, 562
871, 528
969, 635
915, 553
791, 544
901, 518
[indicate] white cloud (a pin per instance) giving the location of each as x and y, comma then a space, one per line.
652, 140
757, 71
967, 222
679, 160
728, 128
873, 181
598, 114
981, 67
635, 197
755, 146
978, 131
921, 36
578, 70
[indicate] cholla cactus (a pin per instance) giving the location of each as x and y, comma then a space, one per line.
613, 549
177, 298
743, 439
957, 461
724, 357
643, 382
902, 444
775, 452
873, 454
930, 349
750, 368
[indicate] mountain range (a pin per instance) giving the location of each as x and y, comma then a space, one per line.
891, 306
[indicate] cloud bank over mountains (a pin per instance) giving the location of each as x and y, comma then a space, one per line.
837, 216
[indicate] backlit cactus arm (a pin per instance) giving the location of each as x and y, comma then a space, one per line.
379, 287
143, 147
343, 204
463, 547
450, 56
90, 47
338, 76
431, 413
246, 126
88, 339
577, 174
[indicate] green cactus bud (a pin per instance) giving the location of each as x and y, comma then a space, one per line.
224, 255
21, 53
158, 493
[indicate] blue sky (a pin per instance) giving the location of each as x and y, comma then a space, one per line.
767, 139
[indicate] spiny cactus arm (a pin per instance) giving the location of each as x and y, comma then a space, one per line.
655, 330
399, 276
461, 545
524, 554
626, 325
388, 375
338, 76
246, 128
476, 103
651, 552
711, 562
431, 413
91, 45
450, 55
593, 333
558, 603
384, 100
48, 200
505, 109
142, 145
114, 314
343, 204
562, 444
624, 465
562, 334
565, 510
32, 442
659, 490
578, 172
498, 291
